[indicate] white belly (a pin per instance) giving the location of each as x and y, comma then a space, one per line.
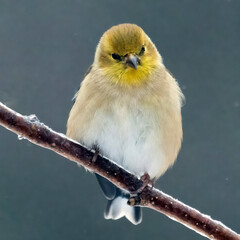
128, 135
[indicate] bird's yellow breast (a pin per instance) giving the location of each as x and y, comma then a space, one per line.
129, 76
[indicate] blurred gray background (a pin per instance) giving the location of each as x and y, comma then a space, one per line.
45, 49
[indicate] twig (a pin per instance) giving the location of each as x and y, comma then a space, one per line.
30, 128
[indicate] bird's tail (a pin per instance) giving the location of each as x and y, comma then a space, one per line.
118, 208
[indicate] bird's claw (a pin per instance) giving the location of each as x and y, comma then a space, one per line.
94, 159
145, 178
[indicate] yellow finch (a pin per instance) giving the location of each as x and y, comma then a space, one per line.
129, 108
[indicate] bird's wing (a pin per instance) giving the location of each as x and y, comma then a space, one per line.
87, 72
108, 188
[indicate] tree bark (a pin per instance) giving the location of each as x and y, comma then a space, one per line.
30, 128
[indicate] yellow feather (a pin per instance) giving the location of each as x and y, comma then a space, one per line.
126, 39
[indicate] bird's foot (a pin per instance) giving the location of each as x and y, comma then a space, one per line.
145, 178
94, 159
135, 198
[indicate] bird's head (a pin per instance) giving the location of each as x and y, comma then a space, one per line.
127, 55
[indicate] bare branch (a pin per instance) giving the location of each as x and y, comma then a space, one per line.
30, 128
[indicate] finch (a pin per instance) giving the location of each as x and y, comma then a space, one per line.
129, 108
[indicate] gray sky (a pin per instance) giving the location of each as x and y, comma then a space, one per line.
45, 49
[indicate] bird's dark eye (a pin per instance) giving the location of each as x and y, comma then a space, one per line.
142, 51
116, 57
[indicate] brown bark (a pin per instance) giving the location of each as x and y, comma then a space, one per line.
30, 128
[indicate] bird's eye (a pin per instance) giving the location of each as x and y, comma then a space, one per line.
142, 51
116, 57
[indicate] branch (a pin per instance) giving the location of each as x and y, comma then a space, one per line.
30, 128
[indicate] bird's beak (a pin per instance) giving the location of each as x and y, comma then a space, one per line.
132, 61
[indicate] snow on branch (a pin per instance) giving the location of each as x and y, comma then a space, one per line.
30, 128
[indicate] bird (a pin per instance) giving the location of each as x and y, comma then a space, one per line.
128, 108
